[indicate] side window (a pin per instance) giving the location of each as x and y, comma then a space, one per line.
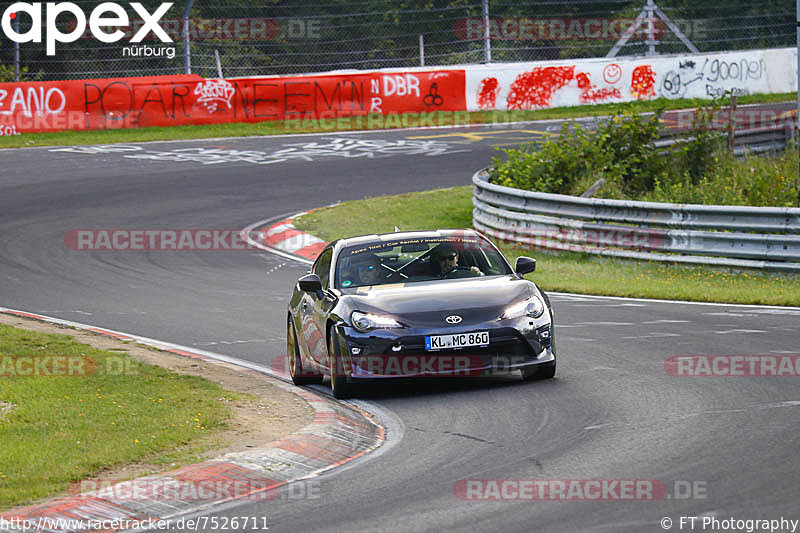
492, 261
322, 267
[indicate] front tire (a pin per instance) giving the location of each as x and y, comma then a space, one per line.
539, 372
299, 377
340, 388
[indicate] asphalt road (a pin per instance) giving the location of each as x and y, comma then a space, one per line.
611, 413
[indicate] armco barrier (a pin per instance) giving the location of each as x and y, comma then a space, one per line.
741, 236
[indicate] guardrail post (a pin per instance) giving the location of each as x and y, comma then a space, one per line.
732, 123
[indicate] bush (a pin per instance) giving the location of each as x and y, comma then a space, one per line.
7, 74
622, 150
557, 165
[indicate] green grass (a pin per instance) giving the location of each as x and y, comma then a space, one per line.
280, 127
768, 180
568, 272
68, 428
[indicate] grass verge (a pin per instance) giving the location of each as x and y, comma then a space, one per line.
111, 410
350, 124
567, 272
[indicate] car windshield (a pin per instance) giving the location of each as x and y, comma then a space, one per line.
418, 259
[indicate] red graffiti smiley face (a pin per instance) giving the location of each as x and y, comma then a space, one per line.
612, 73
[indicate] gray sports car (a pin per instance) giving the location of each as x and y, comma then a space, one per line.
432, 303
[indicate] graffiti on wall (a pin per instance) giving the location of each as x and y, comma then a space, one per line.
714, 75
181, 100
536, 88
600, 80
643, 82
487, 93
591, 94
213, 93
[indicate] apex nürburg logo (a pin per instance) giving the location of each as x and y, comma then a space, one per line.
99, 22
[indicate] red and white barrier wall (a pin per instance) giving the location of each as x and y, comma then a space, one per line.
188, 99
609, 80
182, 100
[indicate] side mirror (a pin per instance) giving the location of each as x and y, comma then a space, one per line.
310, 283
525, 265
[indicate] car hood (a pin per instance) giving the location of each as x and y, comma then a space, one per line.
429, 303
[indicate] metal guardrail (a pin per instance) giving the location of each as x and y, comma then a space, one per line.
771, 136
746, 141
739, 236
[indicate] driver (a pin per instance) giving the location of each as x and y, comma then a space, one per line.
444, 260
368, 270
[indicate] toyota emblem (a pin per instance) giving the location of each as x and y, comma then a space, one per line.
453, 319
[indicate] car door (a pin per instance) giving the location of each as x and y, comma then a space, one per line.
315, 309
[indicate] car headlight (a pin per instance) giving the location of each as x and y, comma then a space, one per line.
533, 307
364, 322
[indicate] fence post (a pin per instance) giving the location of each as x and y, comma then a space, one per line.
422, 50
487, 45
219, 64
650, 8
16, 50
186, 44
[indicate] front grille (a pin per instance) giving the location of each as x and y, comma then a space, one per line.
499, 345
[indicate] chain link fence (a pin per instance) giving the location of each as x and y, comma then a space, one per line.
264, 37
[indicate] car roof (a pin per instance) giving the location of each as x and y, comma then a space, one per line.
385, 237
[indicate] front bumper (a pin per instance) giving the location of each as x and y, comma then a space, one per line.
400, 353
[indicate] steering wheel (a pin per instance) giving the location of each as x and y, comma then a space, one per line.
451, 273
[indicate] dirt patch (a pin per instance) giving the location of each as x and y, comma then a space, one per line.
273, 414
